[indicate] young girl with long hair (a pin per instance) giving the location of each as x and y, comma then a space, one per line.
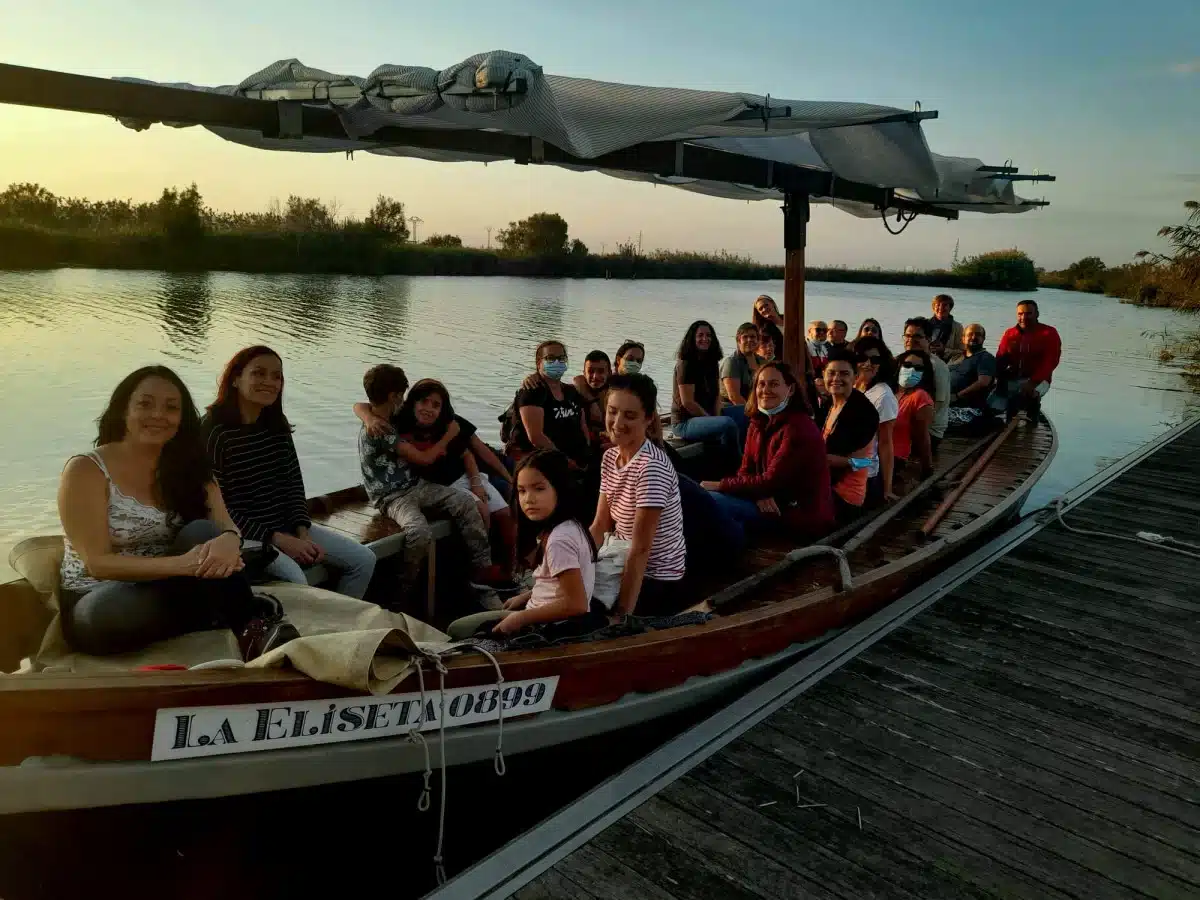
423, 421
253, 458
552, 536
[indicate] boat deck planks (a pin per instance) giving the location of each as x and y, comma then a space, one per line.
1032, 734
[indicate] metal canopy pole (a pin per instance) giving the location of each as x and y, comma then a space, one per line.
795, 234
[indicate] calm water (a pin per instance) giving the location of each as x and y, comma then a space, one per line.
67, 337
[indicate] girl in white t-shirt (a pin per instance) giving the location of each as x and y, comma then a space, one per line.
564, 555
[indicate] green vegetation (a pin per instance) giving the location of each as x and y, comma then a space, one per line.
1156, 279
179, 232
1000, 270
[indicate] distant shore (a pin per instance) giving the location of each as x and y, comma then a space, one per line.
28, 248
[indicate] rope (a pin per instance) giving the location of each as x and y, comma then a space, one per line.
439, 864
415, 735
1144, 538
901, 216
498, 761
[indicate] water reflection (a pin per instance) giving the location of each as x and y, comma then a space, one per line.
185, 304
382, 313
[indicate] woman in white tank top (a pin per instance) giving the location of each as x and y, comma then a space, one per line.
133, 572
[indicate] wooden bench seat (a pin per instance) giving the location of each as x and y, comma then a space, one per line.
349, 512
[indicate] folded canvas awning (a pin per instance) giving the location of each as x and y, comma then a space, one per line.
496, 106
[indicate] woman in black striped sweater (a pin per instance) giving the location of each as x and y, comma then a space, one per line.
254, 461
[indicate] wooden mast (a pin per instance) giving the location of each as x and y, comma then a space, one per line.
795, 235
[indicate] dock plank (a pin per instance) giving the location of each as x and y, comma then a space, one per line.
1033, 733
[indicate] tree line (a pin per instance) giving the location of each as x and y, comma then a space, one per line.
1170, 279
39, 229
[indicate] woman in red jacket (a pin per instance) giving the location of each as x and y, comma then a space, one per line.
784, 476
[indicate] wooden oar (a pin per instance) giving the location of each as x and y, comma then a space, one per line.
872, 526
855, 534
972, 473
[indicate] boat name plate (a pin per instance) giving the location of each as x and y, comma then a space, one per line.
186, 732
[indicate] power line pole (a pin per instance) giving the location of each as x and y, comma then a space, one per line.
416, 220
489, 231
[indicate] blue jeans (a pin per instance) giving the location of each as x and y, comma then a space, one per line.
739, 513
712, 429
738, 414
355, 562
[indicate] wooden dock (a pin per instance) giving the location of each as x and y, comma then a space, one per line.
1026, 728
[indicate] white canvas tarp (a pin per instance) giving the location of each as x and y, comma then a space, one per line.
507, 93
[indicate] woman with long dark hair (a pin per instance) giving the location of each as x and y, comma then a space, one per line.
877, 380
784, 476
915, 419
869, 328
423, 420
249, 442
849, 424
696, 392
150, 550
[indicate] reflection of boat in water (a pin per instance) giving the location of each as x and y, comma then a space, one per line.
72, 740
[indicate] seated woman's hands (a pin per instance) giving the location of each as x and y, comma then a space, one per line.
767, 506
301, 549
220, 557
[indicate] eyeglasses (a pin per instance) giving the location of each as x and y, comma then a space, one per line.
562, 358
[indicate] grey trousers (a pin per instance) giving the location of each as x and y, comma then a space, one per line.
408, 511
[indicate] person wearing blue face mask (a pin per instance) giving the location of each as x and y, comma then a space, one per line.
783, 480
549, 414
911, 438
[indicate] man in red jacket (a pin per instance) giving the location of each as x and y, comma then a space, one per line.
1025, 361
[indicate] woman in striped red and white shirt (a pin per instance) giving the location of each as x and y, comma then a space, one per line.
639, 501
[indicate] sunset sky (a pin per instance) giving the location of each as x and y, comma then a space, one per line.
1102, 93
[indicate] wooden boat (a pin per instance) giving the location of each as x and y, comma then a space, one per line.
69, 741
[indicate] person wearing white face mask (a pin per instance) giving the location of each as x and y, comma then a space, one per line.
549, 415
911, 433
784, 475
629, 358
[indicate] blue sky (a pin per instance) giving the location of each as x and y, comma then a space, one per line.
1106, 95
